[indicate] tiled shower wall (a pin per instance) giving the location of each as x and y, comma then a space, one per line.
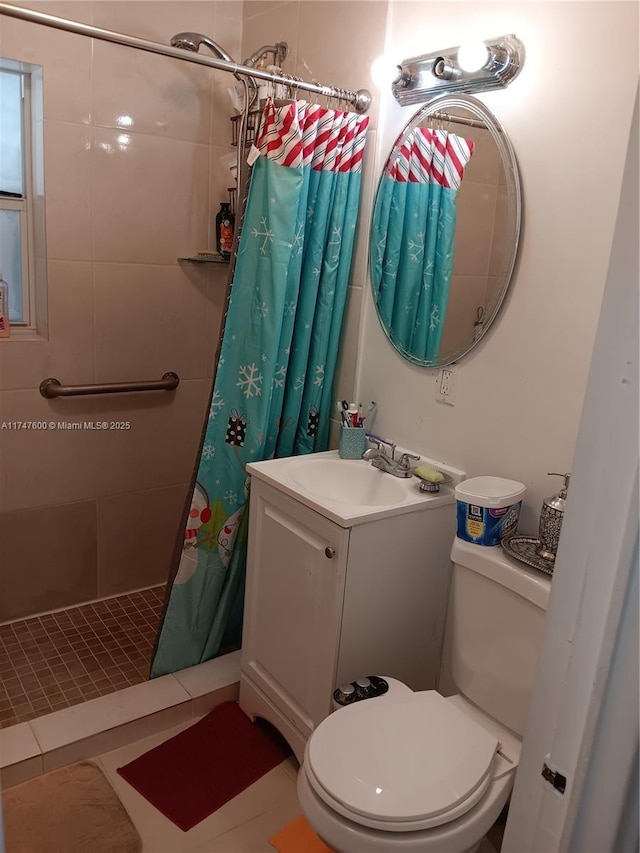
133, 180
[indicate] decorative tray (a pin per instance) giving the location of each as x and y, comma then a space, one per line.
523, 548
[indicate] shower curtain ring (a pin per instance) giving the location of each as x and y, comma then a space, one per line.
287, 85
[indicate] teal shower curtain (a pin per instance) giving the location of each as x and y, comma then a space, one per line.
413, 236
272, 391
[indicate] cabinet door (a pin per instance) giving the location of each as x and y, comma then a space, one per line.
293, 605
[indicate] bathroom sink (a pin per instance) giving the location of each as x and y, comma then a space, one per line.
348, 481
351, 491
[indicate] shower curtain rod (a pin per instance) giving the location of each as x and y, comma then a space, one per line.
360, 100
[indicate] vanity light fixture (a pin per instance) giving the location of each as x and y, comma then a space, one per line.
491, 64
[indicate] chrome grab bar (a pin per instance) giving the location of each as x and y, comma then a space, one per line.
52, 388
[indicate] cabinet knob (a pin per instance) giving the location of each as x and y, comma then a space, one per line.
329, 552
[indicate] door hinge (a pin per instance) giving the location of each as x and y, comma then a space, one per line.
558, 781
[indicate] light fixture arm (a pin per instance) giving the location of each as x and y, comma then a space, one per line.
422, 77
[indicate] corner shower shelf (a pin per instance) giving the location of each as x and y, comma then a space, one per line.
205, 259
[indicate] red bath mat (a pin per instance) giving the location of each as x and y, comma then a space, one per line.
194, 773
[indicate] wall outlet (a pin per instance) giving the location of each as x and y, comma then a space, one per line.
446, 387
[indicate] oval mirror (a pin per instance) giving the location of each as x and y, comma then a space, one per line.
444, 231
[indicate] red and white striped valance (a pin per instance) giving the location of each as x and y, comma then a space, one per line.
303, 134
432, 156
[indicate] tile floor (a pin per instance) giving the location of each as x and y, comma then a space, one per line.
243, 825
60, 659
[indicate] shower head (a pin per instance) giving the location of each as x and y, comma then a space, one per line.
192, 41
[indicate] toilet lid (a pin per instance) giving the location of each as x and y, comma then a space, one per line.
402, 760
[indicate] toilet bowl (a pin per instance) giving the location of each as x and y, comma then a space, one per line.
421, 772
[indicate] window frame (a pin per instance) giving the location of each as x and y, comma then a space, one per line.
30, 113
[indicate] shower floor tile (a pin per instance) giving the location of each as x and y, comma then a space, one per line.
60, 659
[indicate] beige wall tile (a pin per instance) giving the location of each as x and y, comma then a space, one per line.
493, 294
67, 163
231, 8
66, 58
253, 8
149, 188
48, 558
338, 41
136, 535
467, 293
40, 467
149, 319
267, 23
216, 303
476, 205
502, 240
160, 448
485, 166
77, 10
221, 179
151, 94
227, 33
150, 197
222, 110
156, 20
68, 355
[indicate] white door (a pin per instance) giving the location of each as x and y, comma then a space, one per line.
583, 720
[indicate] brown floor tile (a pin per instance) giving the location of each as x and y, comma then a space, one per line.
59, 659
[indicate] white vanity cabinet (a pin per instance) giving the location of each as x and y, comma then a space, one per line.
327, 603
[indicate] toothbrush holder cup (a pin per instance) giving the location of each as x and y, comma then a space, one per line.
353, 442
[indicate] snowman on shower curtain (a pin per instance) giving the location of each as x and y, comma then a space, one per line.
205, 530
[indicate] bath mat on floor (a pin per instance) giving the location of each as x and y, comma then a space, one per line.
72, 810
194, 773
297, 837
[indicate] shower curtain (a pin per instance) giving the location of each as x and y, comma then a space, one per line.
272, 391
414, 226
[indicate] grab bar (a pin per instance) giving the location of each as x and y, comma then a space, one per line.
52, 388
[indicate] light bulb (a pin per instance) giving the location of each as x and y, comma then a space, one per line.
473, 56
384, 71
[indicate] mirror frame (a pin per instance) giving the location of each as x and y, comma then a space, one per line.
514, 207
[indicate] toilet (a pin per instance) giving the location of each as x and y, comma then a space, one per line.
430, 771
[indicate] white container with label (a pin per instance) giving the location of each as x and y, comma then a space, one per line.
488, 508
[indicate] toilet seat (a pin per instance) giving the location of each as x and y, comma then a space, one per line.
404, 764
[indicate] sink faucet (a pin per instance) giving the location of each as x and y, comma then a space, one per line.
389, 464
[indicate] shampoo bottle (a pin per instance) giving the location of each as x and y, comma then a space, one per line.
224, 230
5, 328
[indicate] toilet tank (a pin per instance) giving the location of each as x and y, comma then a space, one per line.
493, 631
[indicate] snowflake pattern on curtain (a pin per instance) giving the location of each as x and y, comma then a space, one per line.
272, 391
413, 238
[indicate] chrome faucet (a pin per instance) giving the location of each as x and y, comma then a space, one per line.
389, 464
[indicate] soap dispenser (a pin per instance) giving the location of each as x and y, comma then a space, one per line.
551, 517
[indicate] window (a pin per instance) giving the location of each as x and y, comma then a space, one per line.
20, 183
